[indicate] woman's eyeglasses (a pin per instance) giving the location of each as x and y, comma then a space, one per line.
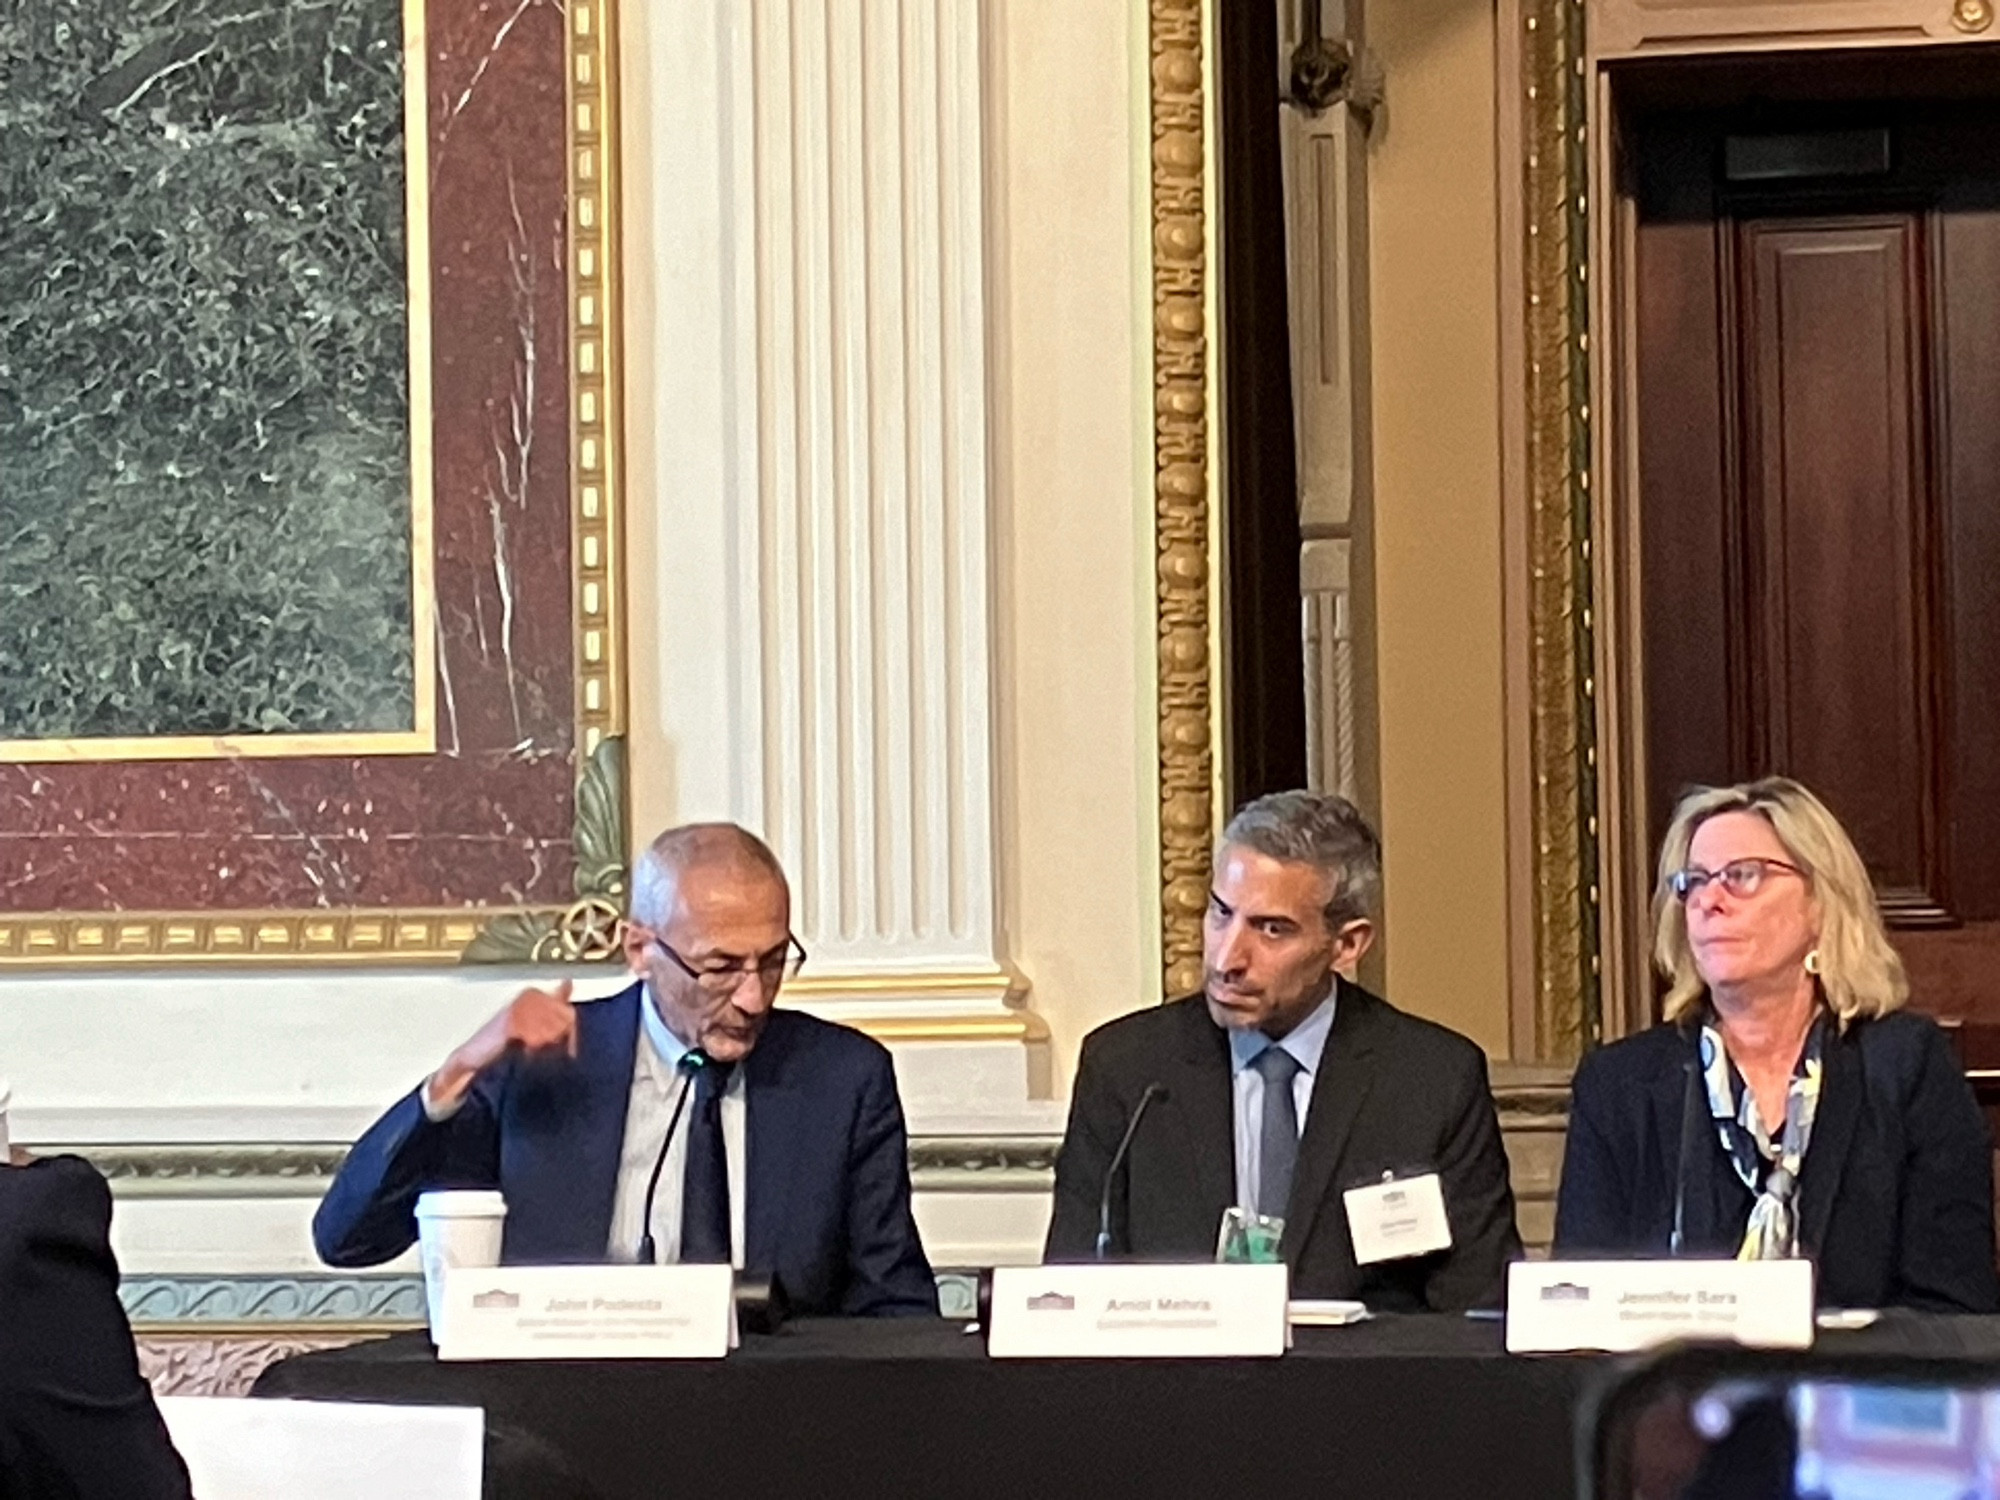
1740, 877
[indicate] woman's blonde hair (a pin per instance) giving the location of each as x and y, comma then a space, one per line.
1859, 973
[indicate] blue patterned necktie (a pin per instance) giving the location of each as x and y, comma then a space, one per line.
705, 1193
1278, 1144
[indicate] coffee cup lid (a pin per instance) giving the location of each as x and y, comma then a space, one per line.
461, 1203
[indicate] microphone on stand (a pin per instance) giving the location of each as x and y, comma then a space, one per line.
692, 1063
1153, 1091
1693, 1106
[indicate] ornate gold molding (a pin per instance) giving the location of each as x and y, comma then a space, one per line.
595, 374
586, 930
1180, 483
232, 937
1022, 1027
916, 984
1555, 176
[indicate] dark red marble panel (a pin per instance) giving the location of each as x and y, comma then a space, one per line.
486, 820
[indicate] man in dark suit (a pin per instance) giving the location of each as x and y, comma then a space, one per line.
1284, 1084
790, 1161
76, 1418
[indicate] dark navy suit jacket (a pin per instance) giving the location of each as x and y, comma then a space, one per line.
827, 1207
1895, 1197
76, 1418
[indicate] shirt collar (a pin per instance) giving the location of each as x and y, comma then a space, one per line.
1305, 1041
667, 1047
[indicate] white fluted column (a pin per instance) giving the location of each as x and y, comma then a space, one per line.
822, 499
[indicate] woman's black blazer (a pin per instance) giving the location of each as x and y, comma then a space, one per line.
1895, 1198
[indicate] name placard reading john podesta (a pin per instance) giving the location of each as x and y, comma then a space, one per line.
1556, 1306
1127, 1311
588, 1312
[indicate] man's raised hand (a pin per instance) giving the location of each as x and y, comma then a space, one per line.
534, 1021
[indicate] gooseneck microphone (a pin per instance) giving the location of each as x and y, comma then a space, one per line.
1153, 1091
692, 1063
1693, 1106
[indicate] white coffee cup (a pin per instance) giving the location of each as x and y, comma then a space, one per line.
459, 1227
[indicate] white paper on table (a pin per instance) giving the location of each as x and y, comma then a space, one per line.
1323, 1312
243, 1448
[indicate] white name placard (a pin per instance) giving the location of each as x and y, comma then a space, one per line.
1556, 1306
588, 1312
1129, 1311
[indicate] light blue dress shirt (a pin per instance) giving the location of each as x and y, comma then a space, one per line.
1306, 1042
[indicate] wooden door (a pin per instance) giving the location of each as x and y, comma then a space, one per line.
1818, 349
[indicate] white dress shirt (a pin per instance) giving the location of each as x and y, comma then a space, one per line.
656, 1083
1305, 1041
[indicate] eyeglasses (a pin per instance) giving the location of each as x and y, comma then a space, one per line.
1740, 877
722, 977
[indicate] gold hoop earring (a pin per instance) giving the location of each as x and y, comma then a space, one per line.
1812, 961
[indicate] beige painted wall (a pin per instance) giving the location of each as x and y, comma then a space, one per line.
1070, 273
1435, 327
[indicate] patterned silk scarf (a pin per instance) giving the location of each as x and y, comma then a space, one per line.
1770, 1169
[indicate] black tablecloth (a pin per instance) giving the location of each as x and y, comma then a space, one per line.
1397, 1408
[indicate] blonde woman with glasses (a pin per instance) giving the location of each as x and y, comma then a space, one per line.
1788, 1105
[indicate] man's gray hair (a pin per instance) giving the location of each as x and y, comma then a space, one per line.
1321, 830
658, 869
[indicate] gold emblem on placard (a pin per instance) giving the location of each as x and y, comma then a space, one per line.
1972, 15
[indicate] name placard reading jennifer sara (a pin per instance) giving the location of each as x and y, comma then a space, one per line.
1619, 1305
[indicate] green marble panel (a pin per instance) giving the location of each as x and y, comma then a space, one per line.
205, 513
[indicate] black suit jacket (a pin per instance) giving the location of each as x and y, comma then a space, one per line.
1895, 1197
76, 1418
1393, 1093
827, 1180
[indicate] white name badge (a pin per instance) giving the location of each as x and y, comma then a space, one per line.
1398, 1218
1556, 1306
587, 1312
1131, 1311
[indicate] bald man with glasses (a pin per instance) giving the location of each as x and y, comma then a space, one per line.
791, 1159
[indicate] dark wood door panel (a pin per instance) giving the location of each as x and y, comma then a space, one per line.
1969, 362
1818, 474
1839, 512
1684, 432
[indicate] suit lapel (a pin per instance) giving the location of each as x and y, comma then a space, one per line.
583, 1176
1843, 1087
775, 1121
1199, 1092
1340, 1088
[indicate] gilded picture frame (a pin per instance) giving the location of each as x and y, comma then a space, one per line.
581, 923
